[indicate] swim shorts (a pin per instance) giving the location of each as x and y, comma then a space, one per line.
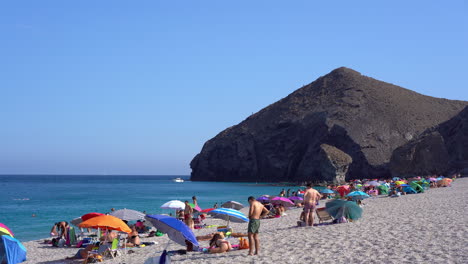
254, 226
308, 208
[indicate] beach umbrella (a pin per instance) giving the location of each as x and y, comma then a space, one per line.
433, 179
174, 204
195, 207
403, 185
399, 182
396, 179
263, 199
11, 250
338, 208
89, 216
327, 191
4, 230
283, 201
206, 210
358, 195
296, 198
76, 221
176, 230
228, 214
233, 205
128, 214
373, 183
107, 222
343, 190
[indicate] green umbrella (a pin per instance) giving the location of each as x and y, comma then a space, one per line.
339, 208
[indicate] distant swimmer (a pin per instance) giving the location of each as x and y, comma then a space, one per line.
33, 215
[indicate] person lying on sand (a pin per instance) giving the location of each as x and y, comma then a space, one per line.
219, 245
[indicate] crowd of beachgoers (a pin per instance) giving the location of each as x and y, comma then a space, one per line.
190, 232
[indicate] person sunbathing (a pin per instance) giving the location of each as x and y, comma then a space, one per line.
219, 245
133, 239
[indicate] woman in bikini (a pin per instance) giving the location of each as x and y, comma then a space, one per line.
133, 239
219, 245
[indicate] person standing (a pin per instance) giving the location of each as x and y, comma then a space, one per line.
256, 211
188, 218
195, 201
311, 197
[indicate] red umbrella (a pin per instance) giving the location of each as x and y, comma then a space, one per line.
207, 210
89, 216
343, 190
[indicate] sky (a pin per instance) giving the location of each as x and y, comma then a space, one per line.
137, 87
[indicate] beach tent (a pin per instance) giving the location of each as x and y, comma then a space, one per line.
409, 190
417, 187
383, 189
11, 250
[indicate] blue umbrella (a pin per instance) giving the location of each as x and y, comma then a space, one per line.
11, 250
327, 191
358, 195
404, 185
175, 229
229, 215
263, 199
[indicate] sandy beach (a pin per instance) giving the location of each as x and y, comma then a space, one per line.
431, 227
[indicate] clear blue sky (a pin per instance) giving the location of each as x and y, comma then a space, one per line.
137, 87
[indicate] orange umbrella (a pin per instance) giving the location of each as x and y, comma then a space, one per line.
108, 222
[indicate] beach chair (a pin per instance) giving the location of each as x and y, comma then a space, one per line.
323, 215
103, 251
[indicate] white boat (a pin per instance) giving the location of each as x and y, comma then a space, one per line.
178, 180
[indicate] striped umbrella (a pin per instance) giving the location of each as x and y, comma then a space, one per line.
4, 230
229, 215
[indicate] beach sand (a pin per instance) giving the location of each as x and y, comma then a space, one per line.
424, 228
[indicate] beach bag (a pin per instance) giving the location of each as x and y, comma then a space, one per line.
243, 243
159, 233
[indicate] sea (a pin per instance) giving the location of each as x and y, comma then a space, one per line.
31, 204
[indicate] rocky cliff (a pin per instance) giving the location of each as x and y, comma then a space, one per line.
360, 117
439, 150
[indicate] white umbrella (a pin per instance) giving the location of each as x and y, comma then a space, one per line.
128, 214
174, 205
233, 205
373, 183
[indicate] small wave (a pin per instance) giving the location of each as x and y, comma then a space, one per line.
21, 199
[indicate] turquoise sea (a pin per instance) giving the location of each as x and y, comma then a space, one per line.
53, 198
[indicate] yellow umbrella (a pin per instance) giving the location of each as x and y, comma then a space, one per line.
107, 222
399, 182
